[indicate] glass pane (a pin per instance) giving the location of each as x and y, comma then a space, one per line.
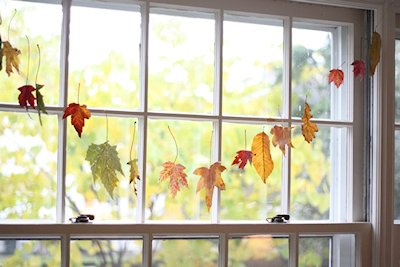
258, 250
84, 196
181, 61
311, 63
104, 57
397, 80
397, 177
106, 252
315, 251
246, 196
28, 166
44, 32
315, 169
193, 141
185, 252
253, 67
35, 253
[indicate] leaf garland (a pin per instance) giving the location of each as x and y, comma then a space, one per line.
262, 160
243, 156
308, 128
336, 76
281, 137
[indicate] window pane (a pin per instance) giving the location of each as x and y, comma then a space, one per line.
44, 32
315, 251
104, 57
253, 67
193, 140
185, 252
106, 252
181, 61
257, 250
84, 196
28, 166
318, 173
397, 177
14, 252
246, 196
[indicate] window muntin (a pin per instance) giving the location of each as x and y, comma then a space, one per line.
397, 132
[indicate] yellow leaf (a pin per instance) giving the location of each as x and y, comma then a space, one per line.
374, 52
262, 160
11, 55
308, 128
210, 177
134, 173
281, 137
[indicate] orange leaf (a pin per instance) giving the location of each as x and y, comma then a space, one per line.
336, 76
308, 128
134, 173
262, 160
11, 55
210, 177
242, 157
281, 137
176, 175
78, 115
375, 52
26, 97
359, 68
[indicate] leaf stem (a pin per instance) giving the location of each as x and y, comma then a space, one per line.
176, 144
245, 140
133, 141
37, 72
79, 89
29, 57
9, 24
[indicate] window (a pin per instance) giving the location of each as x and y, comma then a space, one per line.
208, 78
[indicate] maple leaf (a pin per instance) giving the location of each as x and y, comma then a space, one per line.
336, 76
281, 137
176, 175
104, 163
242, 157
375, 52
78, 115
359, 68
40, 102
11, 55
26, 97
133, 173
308, 128
210, 177
262, 160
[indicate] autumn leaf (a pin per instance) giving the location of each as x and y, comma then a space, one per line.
242, 157
374, 52
40, 102
262, 160
78, 115
26, 97
11, 54
281, 137
308, 128
210, 177
104, 163
336, 76
133, 173
176, 176
358, 68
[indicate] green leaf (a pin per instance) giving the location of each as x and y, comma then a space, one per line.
105, 163
40, 102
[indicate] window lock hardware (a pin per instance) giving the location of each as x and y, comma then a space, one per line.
82, 218
280, 218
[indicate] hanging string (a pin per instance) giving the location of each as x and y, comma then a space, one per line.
211, 139
176, 144
29, 57
133, 141
9, 24
106, 126
245, 140
37, 72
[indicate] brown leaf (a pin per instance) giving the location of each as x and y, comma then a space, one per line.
308, 128
134, 173
281, 137
176, 175
262, 160
210, 177
11, 55
242, 157
336, 76
374, 52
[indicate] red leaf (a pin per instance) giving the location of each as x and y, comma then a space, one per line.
78, 115
242, 157
26, 97
359, 68
336, 76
